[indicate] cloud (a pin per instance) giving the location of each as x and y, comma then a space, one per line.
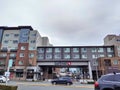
65, 22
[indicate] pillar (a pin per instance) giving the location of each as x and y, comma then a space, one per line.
90, 70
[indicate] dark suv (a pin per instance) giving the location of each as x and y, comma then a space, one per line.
62, 80
108, 82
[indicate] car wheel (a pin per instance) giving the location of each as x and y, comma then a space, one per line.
68, 83
54, 83
1, 81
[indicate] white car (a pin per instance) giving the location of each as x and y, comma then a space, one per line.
3, 79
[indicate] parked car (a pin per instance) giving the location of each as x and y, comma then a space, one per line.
62, 80
3, 79
108, 82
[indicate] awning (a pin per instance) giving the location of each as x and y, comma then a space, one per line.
19, 70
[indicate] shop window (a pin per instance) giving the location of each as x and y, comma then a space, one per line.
30, 74
19, 73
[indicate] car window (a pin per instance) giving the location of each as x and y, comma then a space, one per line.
109, 78
61, 78
117, 77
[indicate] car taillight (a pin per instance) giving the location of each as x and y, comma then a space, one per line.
96, 84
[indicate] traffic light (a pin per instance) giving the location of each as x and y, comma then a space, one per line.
68, 63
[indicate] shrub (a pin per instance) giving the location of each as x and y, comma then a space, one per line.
5, 87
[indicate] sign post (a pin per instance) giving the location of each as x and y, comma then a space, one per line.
7, 74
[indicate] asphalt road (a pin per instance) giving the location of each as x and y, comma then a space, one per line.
49, 86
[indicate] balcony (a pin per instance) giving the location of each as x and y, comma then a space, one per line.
2, 65
12, 57
3, 56
13, 50
4, 50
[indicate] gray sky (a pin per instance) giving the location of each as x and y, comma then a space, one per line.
65, 22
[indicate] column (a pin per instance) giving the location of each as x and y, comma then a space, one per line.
90, 70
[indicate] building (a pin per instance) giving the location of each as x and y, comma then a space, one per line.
111, 64
108, 65
113, 40
33, 57
83, 57
45, 41
19, 44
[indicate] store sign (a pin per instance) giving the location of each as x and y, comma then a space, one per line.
62, 63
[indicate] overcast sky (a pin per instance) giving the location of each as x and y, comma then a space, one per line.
65, 22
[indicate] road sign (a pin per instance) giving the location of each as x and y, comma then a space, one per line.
7, 74
10, 63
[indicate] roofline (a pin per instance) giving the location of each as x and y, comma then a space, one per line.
14, 28
74, 46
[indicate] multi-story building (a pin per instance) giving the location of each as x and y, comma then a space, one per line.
113, 40
19, 44
82, 57
33, 56
108, 65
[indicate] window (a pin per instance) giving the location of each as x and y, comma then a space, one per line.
66, 56
66, 49
16, 35
41, 50
109, 49
49, 50
7, 35
30, 73
2, 62
115, 62
31, 55
48, 56
75, 49
20, 63
57, 50
25, 34
41, 57
95, 63
107, 62
34, 34
3, 55
94, 56
101, 55
33, 41
57, 56
22, 55
83, 49
118, 47
19, 72
15, 41
12, 54
76, 56
110, 55
23, 47
118, 40
6, 41
84, 56
100, 50
93, 49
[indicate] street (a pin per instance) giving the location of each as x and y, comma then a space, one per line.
48, 86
